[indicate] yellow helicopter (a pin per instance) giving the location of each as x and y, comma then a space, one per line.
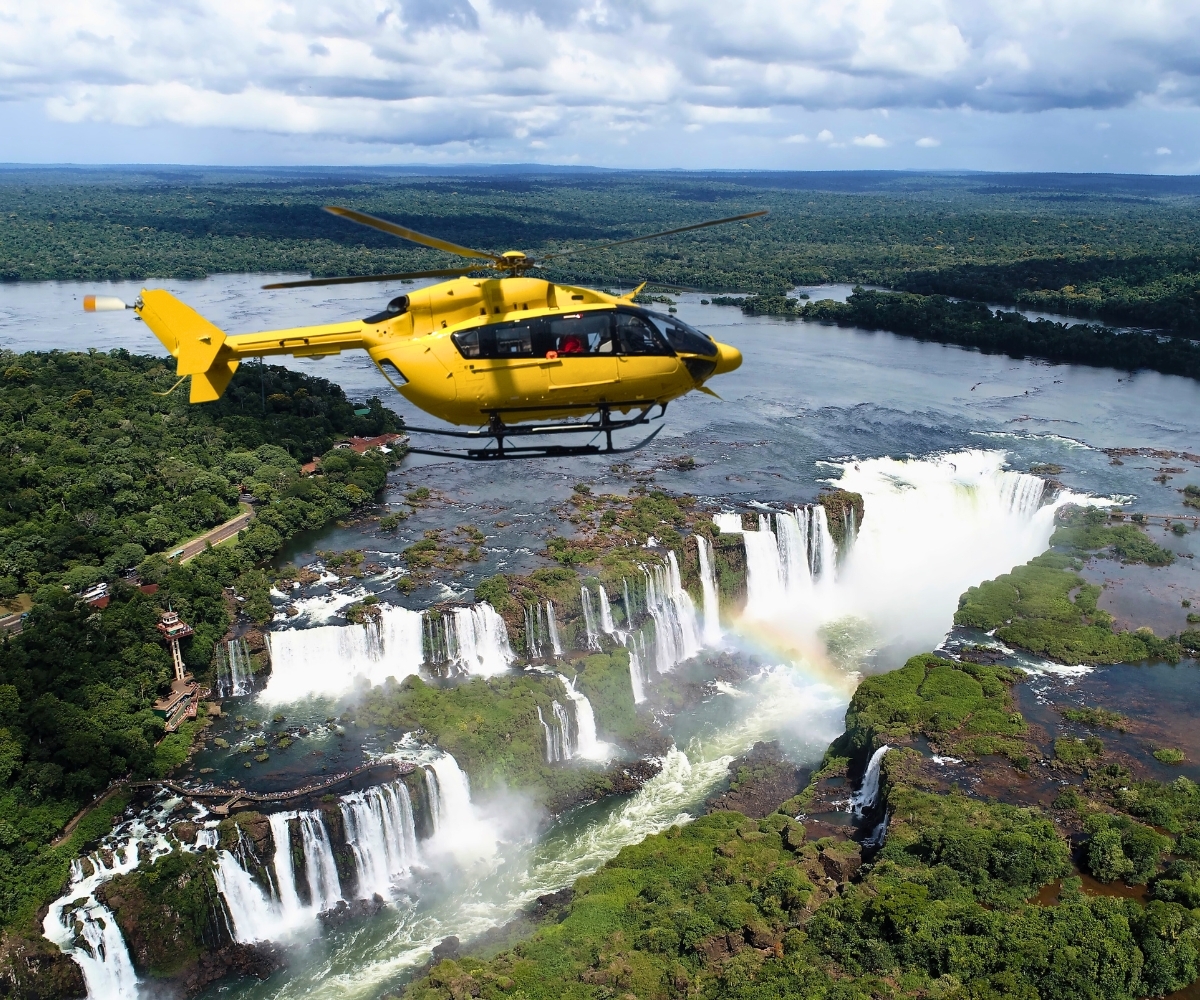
509, 355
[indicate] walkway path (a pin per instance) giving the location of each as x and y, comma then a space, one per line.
189, 550
239, 795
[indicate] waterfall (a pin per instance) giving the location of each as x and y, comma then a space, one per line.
558, 736
637, 677
708, 584
329, 659
865, 797
451, 802
435, 799
552, 628
87, 931
589, 619
628, 606
764, 573
382, 834
586, 744
676, 632
254, 915
477, 640
235, 676
606, 621
285, 880
532, 646
823, 558
319, 865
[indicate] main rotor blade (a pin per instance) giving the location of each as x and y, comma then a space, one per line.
410, 234
654, 236
454, 272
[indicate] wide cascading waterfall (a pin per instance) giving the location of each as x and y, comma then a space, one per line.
381, 832
765, 594
676, 631
460, 831
586, 743
330, 659
708, 586
606, 618
864, 799
477, 639
255, 916
931, 529
552, 629
592, 634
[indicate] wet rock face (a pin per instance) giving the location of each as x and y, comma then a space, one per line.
346, 913
759, 781
33, 969
257, 960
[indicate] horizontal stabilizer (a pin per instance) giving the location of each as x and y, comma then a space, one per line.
208, 386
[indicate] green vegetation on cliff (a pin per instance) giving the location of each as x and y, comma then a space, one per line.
491, 727
1046, 607
100, 476
169, 912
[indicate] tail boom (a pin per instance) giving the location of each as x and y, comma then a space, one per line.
210, 357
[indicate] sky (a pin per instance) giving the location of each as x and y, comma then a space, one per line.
1071, 85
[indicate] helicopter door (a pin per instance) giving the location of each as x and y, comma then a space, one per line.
646, 362
585, 349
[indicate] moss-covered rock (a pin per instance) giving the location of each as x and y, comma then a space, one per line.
170, 912
31, 968
844, 511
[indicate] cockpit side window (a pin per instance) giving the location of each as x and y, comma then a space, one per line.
581, 333
683, 338
500, 340
636, 335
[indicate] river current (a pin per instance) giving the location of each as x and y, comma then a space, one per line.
934, 437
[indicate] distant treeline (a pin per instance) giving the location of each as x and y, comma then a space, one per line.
973, 324
1123, 250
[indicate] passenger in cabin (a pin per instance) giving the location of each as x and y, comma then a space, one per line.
571, 345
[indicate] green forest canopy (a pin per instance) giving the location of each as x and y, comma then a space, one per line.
99, 475
1120, 248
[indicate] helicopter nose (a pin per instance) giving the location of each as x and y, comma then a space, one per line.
728, 358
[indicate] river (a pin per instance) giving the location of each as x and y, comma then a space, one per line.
933, 436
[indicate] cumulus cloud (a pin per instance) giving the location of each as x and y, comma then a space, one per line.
469, 71
928, 142
799, 137
824, 135
1163, 151
870, 139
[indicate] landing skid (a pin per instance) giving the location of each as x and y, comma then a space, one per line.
498, 432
